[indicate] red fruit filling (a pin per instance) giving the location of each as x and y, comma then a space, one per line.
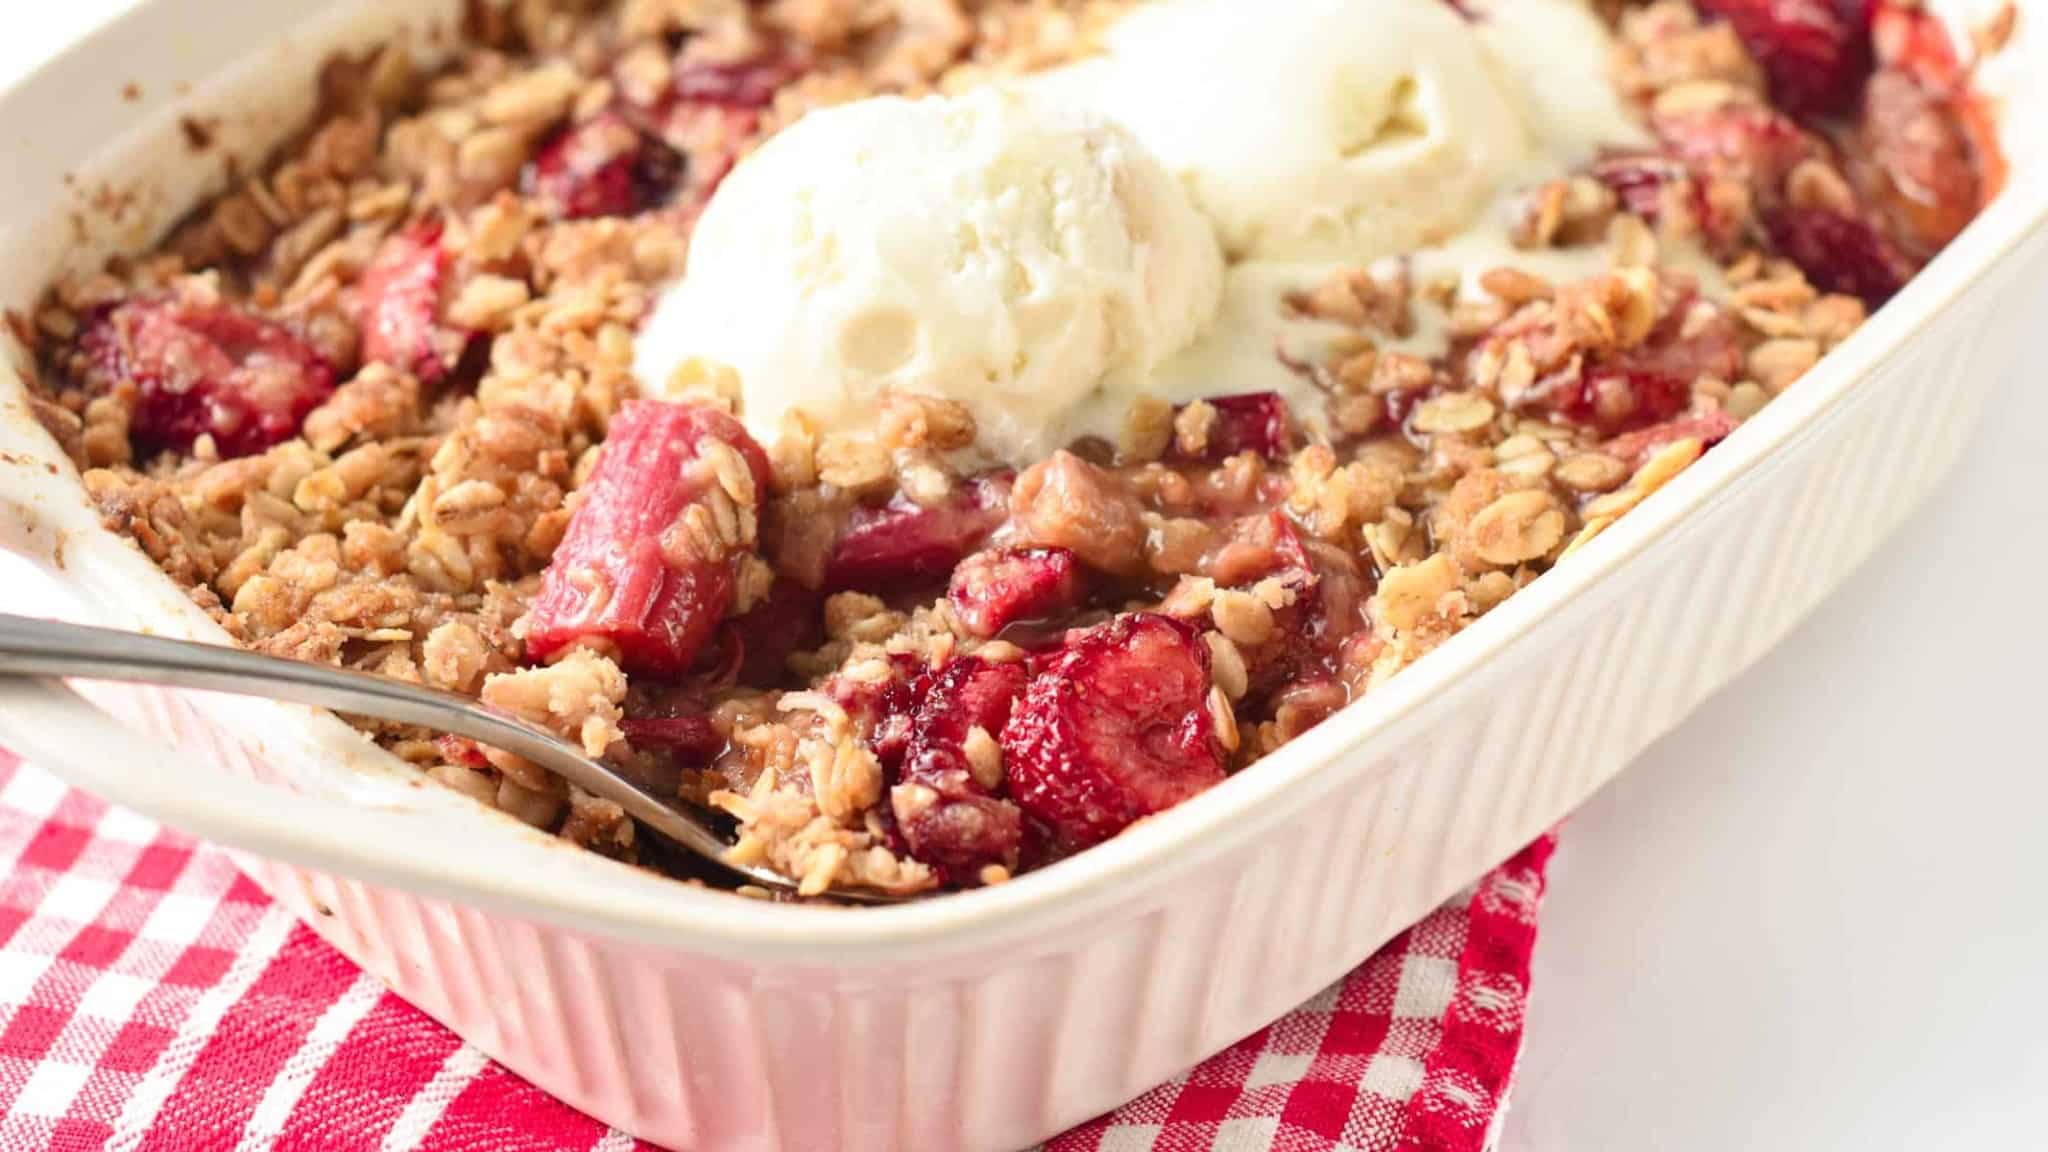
995, 589
1639, 180
603, 166
1255, 422
1921, 173
786, 622
1327, 591
966, 694
1637, 447
1909, 37
1116, 727
947, 815
1612, 398
882, 710
1841, 253
736, 84
1750, 143
1653, 185
902, 542
628, 575
205, 369
461, 750
1814, 54
693, 738
1646, 384
399, 296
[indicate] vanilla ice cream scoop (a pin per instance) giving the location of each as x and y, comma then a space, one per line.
1011, 253
1314, 129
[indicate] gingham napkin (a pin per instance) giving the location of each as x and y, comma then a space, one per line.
153, 998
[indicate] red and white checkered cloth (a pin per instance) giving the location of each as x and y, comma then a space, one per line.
153, 998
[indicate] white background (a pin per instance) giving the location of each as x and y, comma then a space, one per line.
1813, 918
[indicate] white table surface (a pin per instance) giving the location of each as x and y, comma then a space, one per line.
1812, 917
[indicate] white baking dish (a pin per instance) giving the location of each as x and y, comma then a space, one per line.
994, 1018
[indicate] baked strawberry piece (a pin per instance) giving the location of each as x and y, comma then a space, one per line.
945, 803
603, 166
994, 589
1814, 52
1841, 251
884, 711
889, 546
1255, 422
205, 368
643, 569
1114, 728
399, 302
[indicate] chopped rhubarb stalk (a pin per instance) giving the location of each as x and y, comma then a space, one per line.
903, 543
1815, 55
1255, 422
1115, 728
400, 300
1840, 252
206, 369
635, 571
602, 167
1636, 448
994, 589
693, 738
1064, 501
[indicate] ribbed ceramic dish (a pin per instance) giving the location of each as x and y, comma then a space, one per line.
995, 1018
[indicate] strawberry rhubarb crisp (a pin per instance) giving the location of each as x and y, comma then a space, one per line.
939, 434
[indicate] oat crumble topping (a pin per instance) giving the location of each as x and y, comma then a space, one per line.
375, 407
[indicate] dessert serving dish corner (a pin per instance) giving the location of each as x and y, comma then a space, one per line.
994, 1017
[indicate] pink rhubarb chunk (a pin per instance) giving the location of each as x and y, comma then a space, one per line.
902, 542
625, 576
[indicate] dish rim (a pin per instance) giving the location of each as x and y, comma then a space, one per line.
652, 909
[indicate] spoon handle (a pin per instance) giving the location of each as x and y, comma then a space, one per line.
49, 648
32, 647
50, 725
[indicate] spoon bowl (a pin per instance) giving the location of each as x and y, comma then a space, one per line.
30, 647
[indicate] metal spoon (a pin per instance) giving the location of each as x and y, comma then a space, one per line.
48, 648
